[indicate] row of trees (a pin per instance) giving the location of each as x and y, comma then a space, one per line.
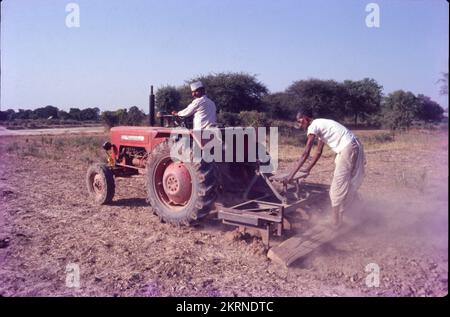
51, 112
243, 100
400, 109
133, 116
359, 101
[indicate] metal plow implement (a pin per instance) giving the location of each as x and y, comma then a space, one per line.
274, 213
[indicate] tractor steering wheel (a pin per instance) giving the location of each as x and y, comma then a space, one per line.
168, 120
179, 121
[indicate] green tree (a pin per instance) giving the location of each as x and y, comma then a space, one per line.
186, 96
135, 116
46, 112
326, 98
24, 114
231, 92
444, 85
122, 116
63, 115
278, 105
363, 98
399, 110
228, 119
7, 115
90, 114
110, 118
168, 99
75, 114
428, 110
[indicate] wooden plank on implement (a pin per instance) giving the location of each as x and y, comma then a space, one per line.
300, 245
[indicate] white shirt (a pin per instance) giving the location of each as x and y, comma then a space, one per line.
332, 133
204, 111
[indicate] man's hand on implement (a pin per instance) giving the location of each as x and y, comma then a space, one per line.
287, 179
305, 171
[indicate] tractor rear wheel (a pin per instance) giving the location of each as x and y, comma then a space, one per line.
100, 183
179, 192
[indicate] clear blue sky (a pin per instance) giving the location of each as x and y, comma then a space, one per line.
121, 47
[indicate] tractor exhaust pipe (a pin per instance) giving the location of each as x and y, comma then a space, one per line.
151, 108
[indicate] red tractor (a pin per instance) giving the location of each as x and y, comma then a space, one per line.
179, 192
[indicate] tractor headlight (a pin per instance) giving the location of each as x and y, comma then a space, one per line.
107, 146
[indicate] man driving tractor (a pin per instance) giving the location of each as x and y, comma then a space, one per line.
203, 108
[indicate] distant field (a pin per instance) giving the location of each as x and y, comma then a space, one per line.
52, 131
19, 124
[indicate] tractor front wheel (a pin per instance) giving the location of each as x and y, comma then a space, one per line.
100, 184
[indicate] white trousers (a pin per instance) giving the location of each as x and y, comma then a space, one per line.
348, 174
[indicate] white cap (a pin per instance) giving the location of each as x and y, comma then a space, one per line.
196, 85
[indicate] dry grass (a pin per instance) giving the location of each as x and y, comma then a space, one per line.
403, 152
291, 146
86, 149
123, 249
374, 140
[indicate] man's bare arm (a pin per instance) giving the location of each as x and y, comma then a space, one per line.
317, 156
303, 158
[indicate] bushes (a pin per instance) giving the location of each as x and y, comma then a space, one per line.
253, 119
399, 110
377, 138
374, 121
231, 92
243, 118
168, 99
133, 116
228, 119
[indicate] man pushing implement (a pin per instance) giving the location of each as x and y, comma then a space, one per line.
349, 171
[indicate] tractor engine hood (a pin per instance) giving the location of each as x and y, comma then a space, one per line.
146, 137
